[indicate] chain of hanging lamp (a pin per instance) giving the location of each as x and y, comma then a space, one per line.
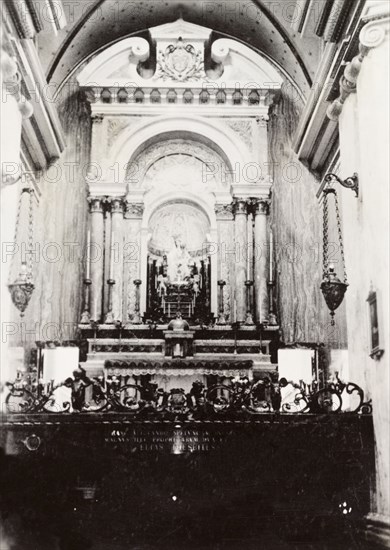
332, 287
22, 288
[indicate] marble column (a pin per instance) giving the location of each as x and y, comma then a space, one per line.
241, 244
135, 255
117, 250
97, 256
261, 210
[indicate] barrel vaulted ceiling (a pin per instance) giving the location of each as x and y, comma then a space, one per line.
267, 26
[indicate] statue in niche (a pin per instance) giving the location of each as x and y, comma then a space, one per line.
161, 285
179, 261
196, 284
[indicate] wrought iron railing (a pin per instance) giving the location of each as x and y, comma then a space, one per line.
238, 399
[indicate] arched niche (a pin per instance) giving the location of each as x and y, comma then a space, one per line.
132, 140
179, 161
185, 204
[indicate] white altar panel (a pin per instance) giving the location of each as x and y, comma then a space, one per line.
296, 365
59, 363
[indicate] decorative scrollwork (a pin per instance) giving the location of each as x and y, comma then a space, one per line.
241, 398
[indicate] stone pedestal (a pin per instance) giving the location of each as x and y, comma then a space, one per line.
178, 343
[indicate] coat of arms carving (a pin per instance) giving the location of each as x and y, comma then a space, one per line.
180, 62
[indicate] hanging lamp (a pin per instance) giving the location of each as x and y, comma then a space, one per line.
333, 289
22, 288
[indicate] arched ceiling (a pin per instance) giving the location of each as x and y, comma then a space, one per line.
265, 26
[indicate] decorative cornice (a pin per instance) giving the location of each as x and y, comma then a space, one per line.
371, 36
25, 18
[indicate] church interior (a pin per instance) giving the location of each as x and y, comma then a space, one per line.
195, 274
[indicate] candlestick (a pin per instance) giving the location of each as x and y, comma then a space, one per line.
248, 249
109, 320
249, 318
111, 274
85, 316
88, 267
271, 256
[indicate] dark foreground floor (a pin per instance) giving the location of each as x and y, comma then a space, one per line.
175, 503
281, 484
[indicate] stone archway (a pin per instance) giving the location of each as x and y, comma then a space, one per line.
177, 171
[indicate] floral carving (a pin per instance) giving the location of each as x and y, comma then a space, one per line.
224, 211
244, 129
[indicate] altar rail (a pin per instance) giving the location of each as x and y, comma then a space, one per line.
238, 399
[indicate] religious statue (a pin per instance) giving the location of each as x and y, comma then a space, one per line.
196, 284
178, 262
161, 285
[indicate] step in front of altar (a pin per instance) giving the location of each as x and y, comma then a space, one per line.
140, 356
225, 366
157, 345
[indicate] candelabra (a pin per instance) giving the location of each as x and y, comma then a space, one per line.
109, 320
86, 316
249, 317
221, 314
136, 320
272, 319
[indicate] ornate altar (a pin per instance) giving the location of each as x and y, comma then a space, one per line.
178, 282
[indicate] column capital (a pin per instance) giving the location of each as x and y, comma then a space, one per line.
117, 205
96, 204
97, 118
224, 211
134, 211
239, 206
260, 206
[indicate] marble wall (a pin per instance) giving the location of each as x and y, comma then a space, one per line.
60, 219
296, 222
